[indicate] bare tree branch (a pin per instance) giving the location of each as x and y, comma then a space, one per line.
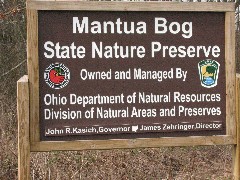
4, 74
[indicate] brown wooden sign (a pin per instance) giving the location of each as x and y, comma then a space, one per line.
104, 75
130, 73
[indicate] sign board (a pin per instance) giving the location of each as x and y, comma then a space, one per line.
131, 73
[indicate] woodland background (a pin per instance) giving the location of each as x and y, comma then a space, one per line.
214, 162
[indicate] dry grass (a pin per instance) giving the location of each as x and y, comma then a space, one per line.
153, 163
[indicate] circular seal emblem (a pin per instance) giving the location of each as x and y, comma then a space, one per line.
57, 75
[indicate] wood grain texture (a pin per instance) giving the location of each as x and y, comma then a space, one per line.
236, 151
230, 73
23, 129
33, 73
130, 6
131, 143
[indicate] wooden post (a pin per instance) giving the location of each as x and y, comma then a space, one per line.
236, 153
23, 129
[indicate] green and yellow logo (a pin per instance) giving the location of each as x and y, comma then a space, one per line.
208, 71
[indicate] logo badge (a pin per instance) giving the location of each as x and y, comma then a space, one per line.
208, 71
57, 75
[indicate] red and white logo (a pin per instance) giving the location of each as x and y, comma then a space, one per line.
57, 75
